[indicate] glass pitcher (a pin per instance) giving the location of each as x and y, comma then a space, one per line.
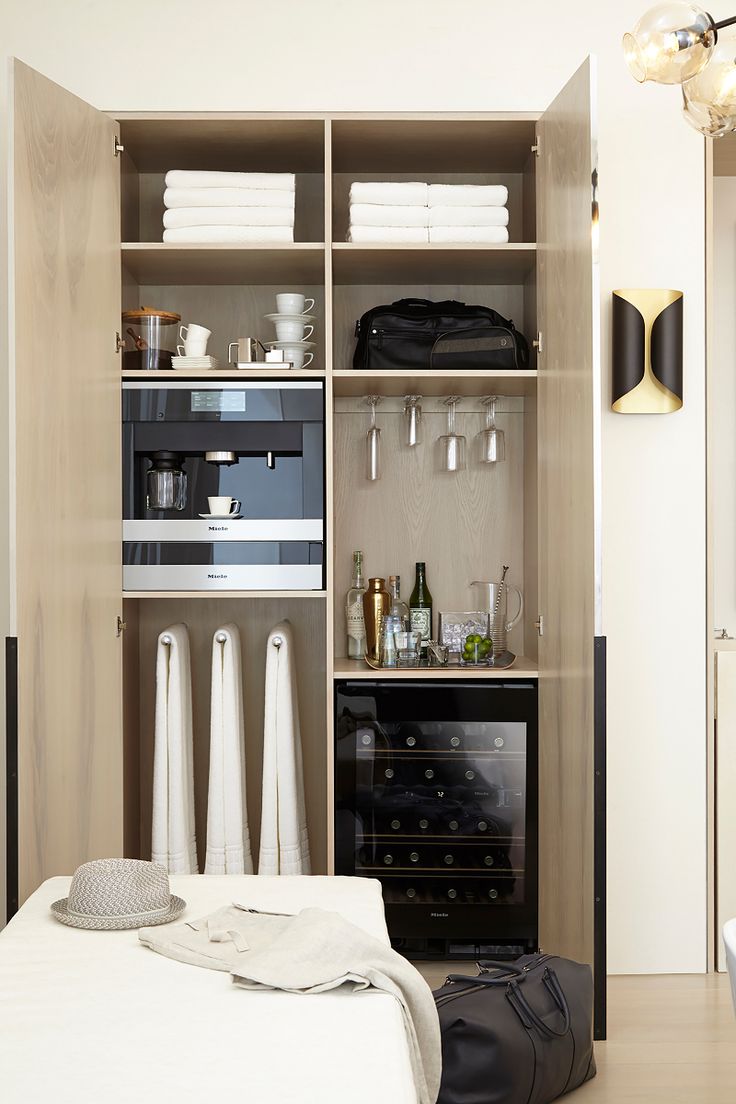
488, 600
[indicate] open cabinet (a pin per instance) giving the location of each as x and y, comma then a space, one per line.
87, 218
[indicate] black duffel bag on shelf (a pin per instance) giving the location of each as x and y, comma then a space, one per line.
519, 1033
419, 335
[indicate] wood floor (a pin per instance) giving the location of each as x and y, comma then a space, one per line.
670, 1038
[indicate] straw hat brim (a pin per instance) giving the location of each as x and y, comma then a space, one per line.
116, 923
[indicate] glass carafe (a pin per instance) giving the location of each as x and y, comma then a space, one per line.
493, 599
166, 482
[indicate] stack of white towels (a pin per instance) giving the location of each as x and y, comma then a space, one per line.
415, 212
230, 207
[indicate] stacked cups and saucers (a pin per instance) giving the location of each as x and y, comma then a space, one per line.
294, 327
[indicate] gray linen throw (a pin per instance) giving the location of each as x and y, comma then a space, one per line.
311, 952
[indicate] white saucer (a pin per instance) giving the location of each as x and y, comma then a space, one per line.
220, 517
290, 317
291, 344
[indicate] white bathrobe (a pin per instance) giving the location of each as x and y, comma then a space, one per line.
284, 839
173, 839
228, 837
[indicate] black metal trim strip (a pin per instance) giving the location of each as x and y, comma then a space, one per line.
11, 778
599, 833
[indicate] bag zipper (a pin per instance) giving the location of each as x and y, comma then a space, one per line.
467, 988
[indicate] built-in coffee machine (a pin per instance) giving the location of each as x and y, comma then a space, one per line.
223, 485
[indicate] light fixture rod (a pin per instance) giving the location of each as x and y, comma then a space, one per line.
725, 23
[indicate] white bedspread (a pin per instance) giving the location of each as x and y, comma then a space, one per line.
94, 1016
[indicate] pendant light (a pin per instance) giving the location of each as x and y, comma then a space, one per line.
679, 43
709, 99
670, 44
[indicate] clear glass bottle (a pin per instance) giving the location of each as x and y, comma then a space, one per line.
354, 610
396, 620
420, 605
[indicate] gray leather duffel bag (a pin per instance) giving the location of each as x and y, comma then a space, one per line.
519, 1033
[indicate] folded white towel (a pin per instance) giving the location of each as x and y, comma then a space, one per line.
238, 235
488, 235
468, 216
284, 838
228, 197
173, 841
194, 178
371, 234
468, 195
235, 216
410, 194
228, 836
376, 214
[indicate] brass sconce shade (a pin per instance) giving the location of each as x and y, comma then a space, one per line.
647, 351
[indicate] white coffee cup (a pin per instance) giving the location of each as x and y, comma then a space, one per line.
295, 355
192, 349
293, 331
291, 302
223, 505
195, 339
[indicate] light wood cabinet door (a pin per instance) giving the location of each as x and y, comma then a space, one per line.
65, 382
568, 414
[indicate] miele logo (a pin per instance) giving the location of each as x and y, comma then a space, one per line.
217, 576
439, 915
218, 528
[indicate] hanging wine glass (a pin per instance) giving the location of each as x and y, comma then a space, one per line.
373, 443
412, 419
491, 441
452, 444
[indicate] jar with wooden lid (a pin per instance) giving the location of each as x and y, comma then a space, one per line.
150, 339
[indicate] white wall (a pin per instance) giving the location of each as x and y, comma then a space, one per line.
489, 55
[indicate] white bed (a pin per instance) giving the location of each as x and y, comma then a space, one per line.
90, 1016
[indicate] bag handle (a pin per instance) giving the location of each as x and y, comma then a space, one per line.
415, 301
527, 1014
511, 973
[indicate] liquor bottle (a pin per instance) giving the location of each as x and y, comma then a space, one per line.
354, 610
376, 603
396, 620
420, 606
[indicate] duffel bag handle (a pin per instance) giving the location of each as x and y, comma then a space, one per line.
511, 972
527, 1014
416, 302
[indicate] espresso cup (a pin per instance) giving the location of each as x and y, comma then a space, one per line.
295, 355
195, 339
291, 302
293, 331
223, 505
192, 349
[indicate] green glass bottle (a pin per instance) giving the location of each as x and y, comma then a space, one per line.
420, 607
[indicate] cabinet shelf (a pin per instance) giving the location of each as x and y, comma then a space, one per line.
510, 263
351, 383
356, 668
161, 263
208, 595
262, 372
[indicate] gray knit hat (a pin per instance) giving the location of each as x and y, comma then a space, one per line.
118, 893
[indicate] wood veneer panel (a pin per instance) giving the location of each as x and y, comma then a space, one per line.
255, 618
257, 144
567, 565
433, 264
421, 144
465, 526
288, 264
66, 197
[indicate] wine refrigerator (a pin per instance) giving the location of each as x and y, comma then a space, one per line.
436, 796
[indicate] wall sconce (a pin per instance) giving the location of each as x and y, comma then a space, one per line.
647, 351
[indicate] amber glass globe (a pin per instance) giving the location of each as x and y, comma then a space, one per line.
709, 99
670, 44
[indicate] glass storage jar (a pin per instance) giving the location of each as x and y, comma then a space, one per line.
150, 339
